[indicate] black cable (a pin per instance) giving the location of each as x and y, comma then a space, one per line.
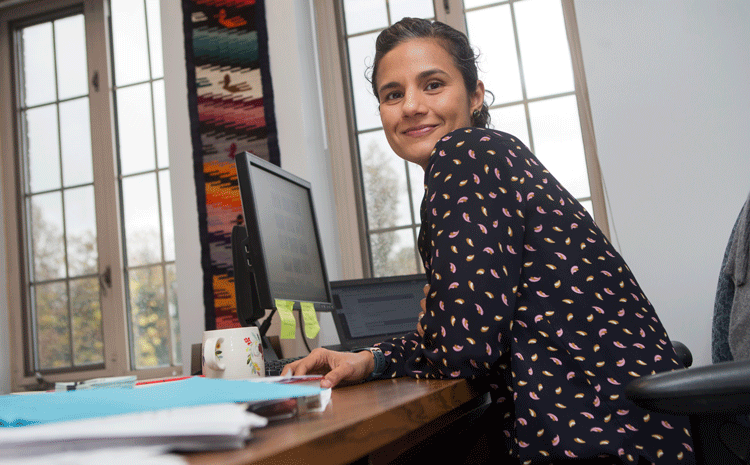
302, 330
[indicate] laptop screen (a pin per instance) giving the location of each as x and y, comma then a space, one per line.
375, 309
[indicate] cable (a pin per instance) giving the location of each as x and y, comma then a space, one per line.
302, 330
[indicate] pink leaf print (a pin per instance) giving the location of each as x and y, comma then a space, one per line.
480, 310
462, 199
574, 226
489, 349
541, 210
497, 173
457, 348
596, 429
506, 212
538, 229
472, 155
557, 212
534, 279
518, 197
441, 305
639, 345
529, 248
510, 163
493, 195
621, 362
489, 250
512, 154
622, 412
505, 300
483, 229
657, 358
631, 427
442, 331
520, 357
588, 415
521, 421
597, 402
542, 294
573, 346
598, 310
484, 139
528, 173
442, 152
533, 395
613, 381
453, 268
538, 318
466, 218
607, 273
561, 256
570, 454
576, 290
570, 375
556, 360
453, 286
553, 417
573, 270
559, 332
476, 179
455, 374
529, 196
523, 444
617, 344
453, 234
511, 249
494, 273
465, 323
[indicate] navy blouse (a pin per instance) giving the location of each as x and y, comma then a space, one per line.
528, 294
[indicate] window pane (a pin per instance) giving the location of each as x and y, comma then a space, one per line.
129, 42
411, 8
149, 319
37, 53
475, 3
394, 253
416, 178
545, 52
166, 214
52, 325
512, 120
43, 148
174, 314
75, 141
558, 143
361, 54
365, 15
70, 40
491, 31
160, 120
384, 177
80, 222
154, 38
88, 339
141, 219
47, 247
135, 126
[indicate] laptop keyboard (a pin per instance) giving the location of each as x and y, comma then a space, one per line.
274, 367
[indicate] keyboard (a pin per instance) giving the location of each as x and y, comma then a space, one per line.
274, 367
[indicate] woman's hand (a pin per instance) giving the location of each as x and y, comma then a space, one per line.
423, 304
336, 366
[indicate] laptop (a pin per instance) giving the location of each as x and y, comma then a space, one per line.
372, 310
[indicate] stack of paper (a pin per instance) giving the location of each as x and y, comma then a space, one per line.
98, 383
187, 415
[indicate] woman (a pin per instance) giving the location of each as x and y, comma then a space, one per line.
525, 291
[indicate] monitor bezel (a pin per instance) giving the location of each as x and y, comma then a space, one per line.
245, 163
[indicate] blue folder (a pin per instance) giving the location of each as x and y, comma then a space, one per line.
21, 410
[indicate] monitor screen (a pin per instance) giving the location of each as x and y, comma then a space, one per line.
283, 245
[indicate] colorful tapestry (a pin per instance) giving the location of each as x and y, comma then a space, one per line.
231, 111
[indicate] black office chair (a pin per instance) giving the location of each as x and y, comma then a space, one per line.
717, 399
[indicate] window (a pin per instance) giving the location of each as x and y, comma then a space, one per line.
529, 60
85, 133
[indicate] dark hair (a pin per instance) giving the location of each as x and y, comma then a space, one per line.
455, 43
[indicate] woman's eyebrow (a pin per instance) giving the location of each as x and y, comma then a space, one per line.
421, 76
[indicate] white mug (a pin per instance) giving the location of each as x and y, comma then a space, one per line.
234, 353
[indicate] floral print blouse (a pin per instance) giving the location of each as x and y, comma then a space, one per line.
528, 294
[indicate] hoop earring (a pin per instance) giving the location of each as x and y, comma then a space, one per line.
475, 114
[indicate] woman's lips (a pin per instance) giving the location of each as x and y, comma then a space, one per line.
419, 131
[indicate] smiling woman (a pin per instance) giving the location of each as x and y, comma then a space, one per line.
525, 291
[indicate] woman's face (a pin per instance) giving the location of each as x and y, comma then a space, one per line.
422, 98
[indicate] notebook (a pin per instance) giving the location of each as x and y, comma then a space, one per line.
372, 310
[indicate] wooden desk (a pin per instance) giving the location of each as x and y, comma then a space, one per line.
381, 419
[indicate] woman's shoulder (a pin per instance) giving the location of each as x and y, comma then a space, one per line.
476, 144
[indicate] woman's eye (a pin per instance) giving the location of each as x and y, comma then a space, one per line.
392, 96
434, 85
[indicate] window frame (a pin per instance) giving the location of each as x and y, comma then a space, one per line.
342, 135
113, 301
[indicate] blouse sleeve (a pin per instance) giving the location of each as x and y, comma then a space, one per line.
474, 218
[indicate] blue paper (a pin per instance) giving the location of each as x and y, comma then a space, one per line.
22, 410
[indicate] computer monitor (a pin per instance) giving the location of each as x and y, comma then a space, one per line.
277, 252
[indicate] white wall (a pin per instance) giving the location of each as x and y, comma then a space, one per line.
669, 85
301, 142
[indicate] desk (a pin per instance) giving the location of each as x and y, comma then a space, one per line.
381, 419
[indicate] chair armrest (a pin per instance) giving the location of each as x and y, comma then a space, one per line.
719, 388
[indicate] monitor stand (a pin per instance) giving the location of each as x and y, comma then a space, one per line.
249, 310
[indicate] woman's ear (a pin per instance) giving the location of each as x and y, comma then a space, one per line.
477, 97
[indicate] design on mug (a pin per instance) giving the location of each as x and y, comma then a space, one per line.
218, 351
254, 349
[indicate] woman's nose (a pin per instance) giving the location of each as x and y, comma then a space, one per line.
413, 103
